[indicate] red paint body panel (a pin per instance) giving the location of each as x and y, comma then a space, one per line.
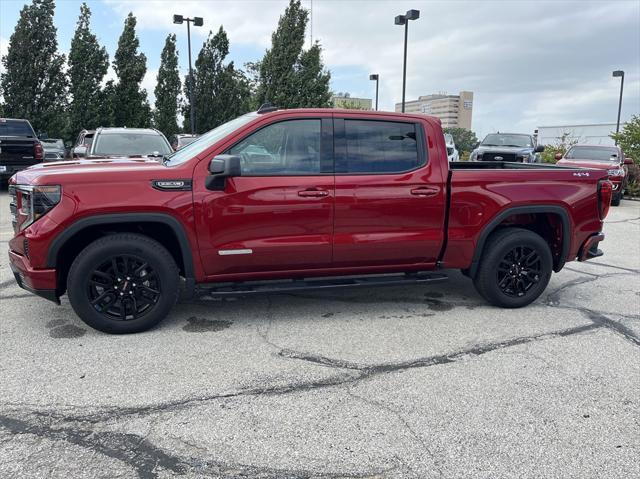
372, 223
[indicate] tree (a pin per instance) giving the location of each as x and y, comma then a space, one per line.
88, 64
34, 84
290, 77
464, 139
221, 92
167, 89
629, 139
561, 145
130, 104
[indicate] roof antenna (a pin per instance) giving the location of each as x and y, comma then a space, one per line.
266, 107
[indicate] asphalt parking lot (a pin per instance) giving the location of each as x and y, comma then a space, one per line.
386, 383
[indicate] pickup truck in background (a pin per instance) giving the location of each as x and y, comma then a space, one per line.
507, 147
283, 200
19, 146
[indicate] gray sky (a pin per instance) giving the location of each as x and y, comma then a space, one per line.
529, 63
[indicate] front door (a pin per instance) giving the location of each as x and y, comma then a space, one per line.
278, 215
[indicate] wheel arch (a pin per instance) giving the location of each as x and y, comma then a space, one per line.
535, 211
163, 228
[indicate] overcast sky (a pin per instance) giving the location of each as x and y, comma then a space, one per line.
529, 63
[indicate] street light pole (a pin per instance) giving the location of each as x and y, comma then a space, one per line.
619, 73
198, 22
404, 20
376, 78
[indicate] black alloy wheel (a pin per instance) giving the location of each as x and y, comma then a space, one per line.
519, 270
124, 287
123, 283
515, 267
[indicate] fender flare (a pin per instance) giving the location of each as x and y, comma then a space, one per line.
120, 218
515, 210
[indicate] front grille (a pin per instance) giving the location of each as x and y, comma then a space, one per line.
489, 156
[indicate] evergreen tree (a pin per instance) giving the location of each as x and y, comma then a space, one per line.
167, 89
88, 64
186, 104
221, 92
288, 76
130, 104
33, 83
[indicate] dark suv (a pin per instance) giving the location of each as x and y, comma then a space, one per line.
507, 147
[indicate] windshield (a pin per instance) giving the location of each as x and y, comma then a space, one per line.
589, 153
205, 141
52, 144
185, 140
15, 128
501, 139
130, 144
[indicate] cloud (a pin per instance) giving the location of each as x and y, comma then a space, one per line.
528, 62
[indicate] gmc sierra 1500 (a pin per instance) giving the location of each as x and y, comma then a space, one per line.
315, 197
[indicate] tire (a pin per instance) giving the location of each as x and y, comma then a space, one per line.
119, 266
615, 201
502, 279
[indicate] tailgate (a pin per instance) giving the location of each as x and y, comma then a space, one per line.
16, 153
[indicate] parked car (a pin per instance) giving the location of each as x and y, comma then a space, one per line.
83, 143
507, 147
181, 140
128, 142
452, 151
19, 146
288, 200
54, 149
608, 158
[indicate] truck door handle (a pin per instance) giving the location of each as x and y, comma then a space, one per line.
425, 191
313, 193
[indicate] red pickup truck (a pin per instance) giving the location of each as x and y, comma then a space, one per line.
279, 200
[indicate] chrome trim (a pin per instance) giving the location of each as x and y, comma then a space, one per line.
227, 252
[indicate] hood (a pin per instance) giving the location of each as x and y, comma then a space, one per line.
505, 149
600, 165
87, 170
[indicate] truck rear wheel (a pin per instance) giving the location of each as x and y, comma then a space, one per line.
515, 268
123, 283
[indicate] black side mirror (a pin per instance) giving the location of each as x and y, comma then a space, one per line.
221, 167
539, 149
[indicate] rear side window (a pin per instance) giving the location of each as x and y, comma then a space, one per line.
379, 147
289, 147
15, 128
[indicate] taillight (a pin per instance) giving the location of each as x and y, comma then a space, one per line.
605, 192
38, 151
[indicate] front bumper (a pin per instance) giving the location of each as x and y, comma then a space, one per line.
589, 249
41, 282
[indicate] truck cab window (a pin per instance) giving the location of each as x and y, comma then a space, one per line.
281, 149
379, 147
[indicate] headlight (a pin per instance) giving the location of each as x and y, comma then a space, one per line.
615, 172
473, 156
36, 201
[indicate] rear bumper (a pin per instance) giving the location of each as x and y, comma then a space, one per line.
590, 249
41, 282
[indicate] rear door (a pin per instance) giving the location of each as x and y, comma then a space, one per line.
278, 215
390, 195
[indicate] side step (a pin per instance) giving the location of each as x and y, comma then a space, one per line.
288, 286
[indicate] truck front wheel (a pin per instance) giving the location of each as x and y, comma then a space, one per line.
123, 283
515, 268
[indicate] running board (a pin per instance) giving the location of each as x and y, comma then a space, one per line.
288, 286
